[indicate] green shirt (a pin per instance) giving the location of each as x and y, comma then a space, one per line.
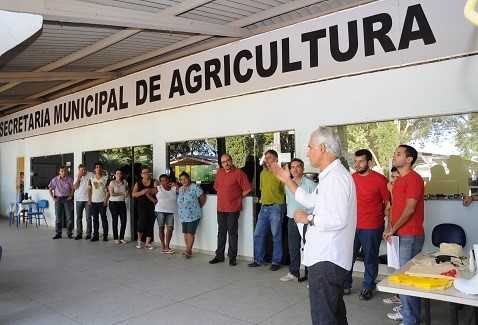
272, 190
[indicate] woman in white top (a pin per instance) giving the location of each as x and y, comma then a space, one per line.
118, 189
164, 210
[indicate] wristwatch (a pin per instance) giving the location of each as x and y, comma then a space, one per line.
310, 219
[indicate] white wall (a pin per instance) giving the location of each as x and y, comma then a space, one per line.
445, 87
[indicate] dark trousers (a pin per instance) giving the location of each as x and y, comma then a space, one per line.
228, 222
80, 206
96, 209
63, 204
118, 209
326, 294
294, 240
146, 219
369, 240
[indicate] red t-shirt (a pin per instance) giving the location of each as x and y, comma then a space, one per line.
229, 187
410, 186
371, 194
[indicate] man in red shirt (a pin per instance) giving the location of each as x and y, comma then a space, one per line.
407, 222
373, 200
231, 185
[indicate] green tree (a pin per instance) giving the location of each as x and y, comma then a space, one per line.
381, 138
205, 147
466, 139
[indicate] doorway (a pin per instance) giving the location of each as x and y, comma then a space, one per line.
20, 180
130, 160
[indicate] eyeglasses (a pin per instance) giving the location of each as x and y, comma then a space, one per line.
225, 161
145, 173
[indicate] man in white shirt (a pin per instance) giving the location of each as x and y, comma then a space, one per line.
331, 227
98, 195
81, 198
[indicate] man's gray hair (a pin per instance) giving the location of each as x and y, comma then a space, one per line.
329, 138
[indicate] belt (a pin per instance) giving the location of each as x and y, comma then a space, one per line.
63, 197
268, 205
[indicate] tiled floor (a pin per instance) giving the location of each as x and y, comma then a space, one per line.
45, 281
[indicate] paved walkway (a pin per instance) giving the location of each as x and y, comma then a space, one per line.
45, 281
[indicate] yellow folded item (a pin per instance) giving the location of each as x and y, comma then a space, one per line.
422, 282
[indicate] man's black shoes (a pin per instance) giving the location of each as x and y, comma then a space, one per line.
274, 267
253, 264
232, 262
94, 239
56, 236
70, 236
105, 238
78, 237
88, 237
215, 260
365, 294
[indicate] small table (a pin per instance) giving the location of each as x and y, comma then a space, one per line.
451, 295
17, 208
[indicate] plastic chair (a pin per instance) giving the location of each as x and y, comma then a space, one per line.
448, 233
38, 214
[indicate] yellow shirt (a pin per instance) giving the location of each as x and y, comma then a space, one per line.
272, 190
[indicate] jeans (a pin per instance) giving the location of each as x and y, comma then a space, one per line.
80, 205
66, 205
98, 208
410, 246
118, 209
369, 240
228, 222
294, 247
326, 294
270, 217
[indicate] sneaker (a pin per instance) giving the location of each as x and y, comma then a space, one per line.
149, 246
139, 244
397, 308
365, 294
347, 291
122, 241
395, 316
288, 277
117, 241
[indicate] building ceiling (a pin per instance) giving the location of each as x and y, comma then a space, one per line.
89, 42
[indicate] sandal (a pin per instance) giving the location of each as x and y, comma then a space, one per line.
392, 300
164, 251
171, 251
188, 256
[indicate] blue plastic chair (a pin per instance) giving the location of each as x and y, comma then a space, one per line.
38, 214
448, 233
